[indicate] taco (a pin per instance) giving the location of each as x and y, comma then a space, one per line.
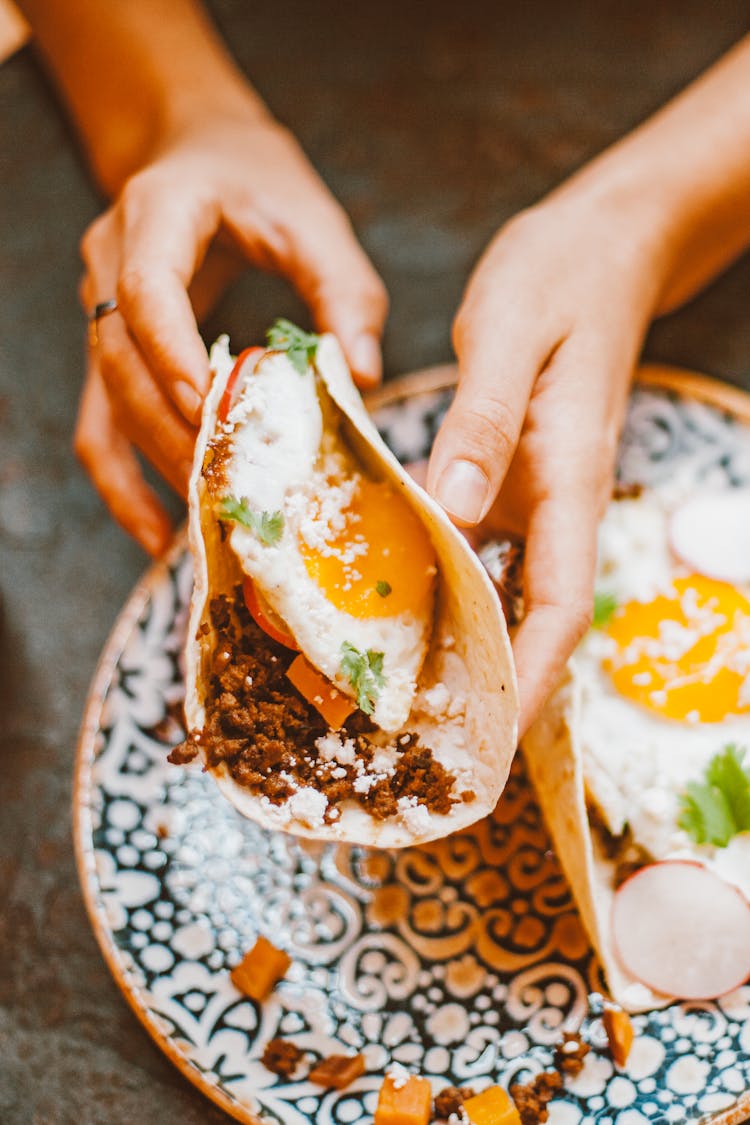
639, 759
348, 669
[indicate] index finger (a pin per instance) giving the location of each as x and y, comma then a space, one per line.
164, 241
503, 343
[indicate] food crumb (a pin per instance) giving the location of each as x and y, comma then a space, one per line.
570, 1053
626, 490
531, 1098
183, 753
281, 1056
449, 1102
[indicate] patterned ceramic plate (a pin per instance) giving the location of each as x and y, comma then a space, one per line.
463, 959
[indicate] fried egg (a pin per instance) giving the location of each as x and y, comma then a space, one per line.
353, 564
664, 683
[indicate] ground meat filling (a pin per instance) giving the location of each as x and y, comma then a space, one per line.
264, 732
627, 855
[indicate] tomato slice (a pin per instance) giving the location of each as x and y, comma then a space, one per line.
264, 616
227, 399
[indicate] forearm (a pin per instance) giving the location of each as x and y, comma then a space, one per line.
684, 177
135, 71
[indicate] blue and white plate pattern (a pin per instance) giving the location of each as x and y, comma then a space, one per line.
463, 960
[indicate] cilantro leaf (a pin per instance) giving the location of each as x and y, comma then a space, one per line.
605, 605
364, 671
300, 346
706, 816
383, 588
718, 808
268, 526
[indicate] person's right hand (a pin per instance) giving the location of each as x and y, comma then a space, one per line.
225, 192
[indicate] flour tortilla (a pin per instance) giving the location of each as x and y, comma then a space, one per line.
479, 665
555, 762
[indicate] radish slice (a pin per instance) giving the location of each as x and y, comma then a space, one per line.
711, 534
682, 930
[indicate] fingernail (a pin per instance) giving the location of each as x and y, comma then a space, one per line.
366, 357
462, 489
188, 400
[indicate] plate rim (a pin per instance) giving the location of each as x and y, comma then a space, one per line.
691, 384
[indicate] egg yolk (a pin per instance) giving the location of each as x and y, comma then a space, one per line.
381, 562
686, 654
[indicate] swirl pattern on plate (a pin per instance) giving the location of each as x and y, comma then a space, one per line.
463, 959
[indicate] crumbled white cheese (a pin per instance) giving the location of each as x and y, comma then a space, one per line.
383, 761
281, 813
416, 817
323, 510
398, 1075
435, 700
332, 747
309, 806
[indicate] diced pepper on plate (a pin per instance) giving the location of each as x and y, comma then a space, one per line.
492, 1107
260, 969
404, 1100
337, 1071
619, 1029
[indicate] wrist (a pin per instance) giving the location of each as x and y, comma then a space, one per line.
627, 219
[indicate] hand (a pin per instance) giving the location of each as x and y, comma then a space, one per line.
229, 191
547, 337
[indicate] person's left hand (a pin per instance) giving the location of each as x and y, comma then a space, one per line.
547, 338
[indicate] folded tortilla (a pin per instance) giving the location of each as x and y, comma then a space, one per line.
555, 762
469, 652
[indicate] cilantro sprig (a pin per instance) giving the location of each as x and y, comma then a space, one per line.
300, 346
605, 604
364, 671
718, 808
267, 526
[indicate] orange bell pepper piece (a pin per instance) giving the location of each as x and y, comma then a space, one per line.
620, 1034
492, 1107
260, 969
404, 1102
333, 705
337, 1071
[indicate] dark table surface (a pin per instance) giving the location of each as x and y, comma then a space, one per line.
433, 123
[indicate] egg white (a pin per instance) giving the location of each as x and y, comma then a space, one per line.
284, 452
636, 763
